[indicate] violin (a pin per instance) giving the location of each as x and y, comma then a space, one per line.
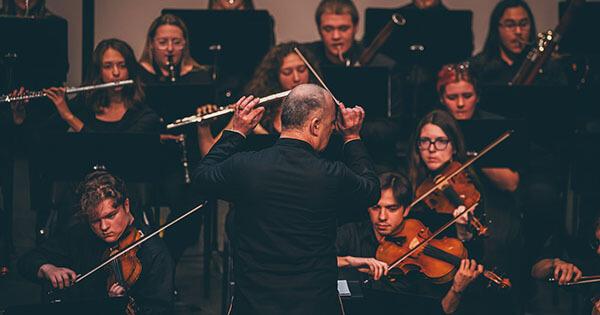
414, 247
450, 193
455, 192
125, 270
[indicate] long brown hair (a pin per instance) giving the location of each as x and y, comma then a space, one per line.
168, 19
132, 94
417, 170
266, 76
39, 10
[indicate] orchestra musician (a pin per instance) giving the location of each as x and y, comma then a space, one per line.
280, 70
567, 259
167, 44
105, 219
286, 201
337, 23
511, 34
357, 244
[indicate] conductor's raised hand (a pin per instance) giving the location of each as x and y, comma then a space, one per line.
246, 115
350, 121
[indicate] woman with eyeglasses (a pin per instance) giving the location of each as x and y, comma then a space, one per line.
166, 56
436, 143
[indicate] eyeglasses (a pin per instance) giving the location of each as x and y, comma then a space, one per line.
459, 67
512, 24
439, 143
163, 43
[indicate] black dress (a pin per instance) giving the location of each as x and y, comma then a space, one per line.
287, 200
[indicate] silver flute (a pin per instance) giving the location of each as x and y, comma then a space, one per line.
69, 90
222, 111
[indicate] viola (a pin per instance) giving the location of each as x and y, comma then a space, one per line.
460, 190
414, 247
126, 269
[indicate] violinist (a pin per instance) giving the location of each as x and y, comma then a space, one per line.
511, 34
436, 143
337, 23
106, 220
166, 56
567, 259
357, 243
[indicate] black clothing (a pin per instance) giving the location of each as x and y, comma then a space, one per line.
80, 250
286, 202
197, 75
494, 71
319, 50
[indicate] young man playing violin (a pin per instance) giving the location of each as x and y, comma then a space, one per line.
357, 244
84, 245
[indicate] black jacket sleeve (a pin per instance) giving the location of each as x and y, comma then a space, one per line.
215, 171
361, 184
154, 290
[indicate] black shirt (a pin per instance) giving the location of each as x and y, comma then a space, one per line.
80, 250
287, 199
319, 50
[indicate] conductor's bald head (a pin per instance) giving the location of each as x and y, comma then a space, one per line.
308, 112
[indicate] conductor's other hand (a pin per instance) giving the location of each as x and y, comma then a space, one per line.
350, 121
246, 115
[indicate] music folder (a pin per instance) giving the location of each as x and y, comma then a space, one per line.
369, 87
71, 156
175, 101
512, 152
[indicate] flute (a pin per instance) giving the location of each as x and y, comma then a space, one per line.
68, 90
222, 111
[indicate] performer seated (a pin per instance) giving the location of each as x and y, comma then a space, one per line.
511, 30
118, 109
357, 244
337, 22
459, 95
168, 43
105, 220
567, 259
280, 70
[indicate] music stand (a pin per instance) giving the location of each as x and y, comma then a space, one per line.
40, 46
373, 94
174, 101
71, 156
92, 306
550, 111
511, 153
576, 39
244, 37
422, 30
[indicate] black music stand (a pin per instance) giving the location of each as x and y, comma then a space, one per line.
95, 306
549, 111
373, 93
174, 101
39, 49
66, 158
576, 39
70, 156
511, 153
444, 36
244, 37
